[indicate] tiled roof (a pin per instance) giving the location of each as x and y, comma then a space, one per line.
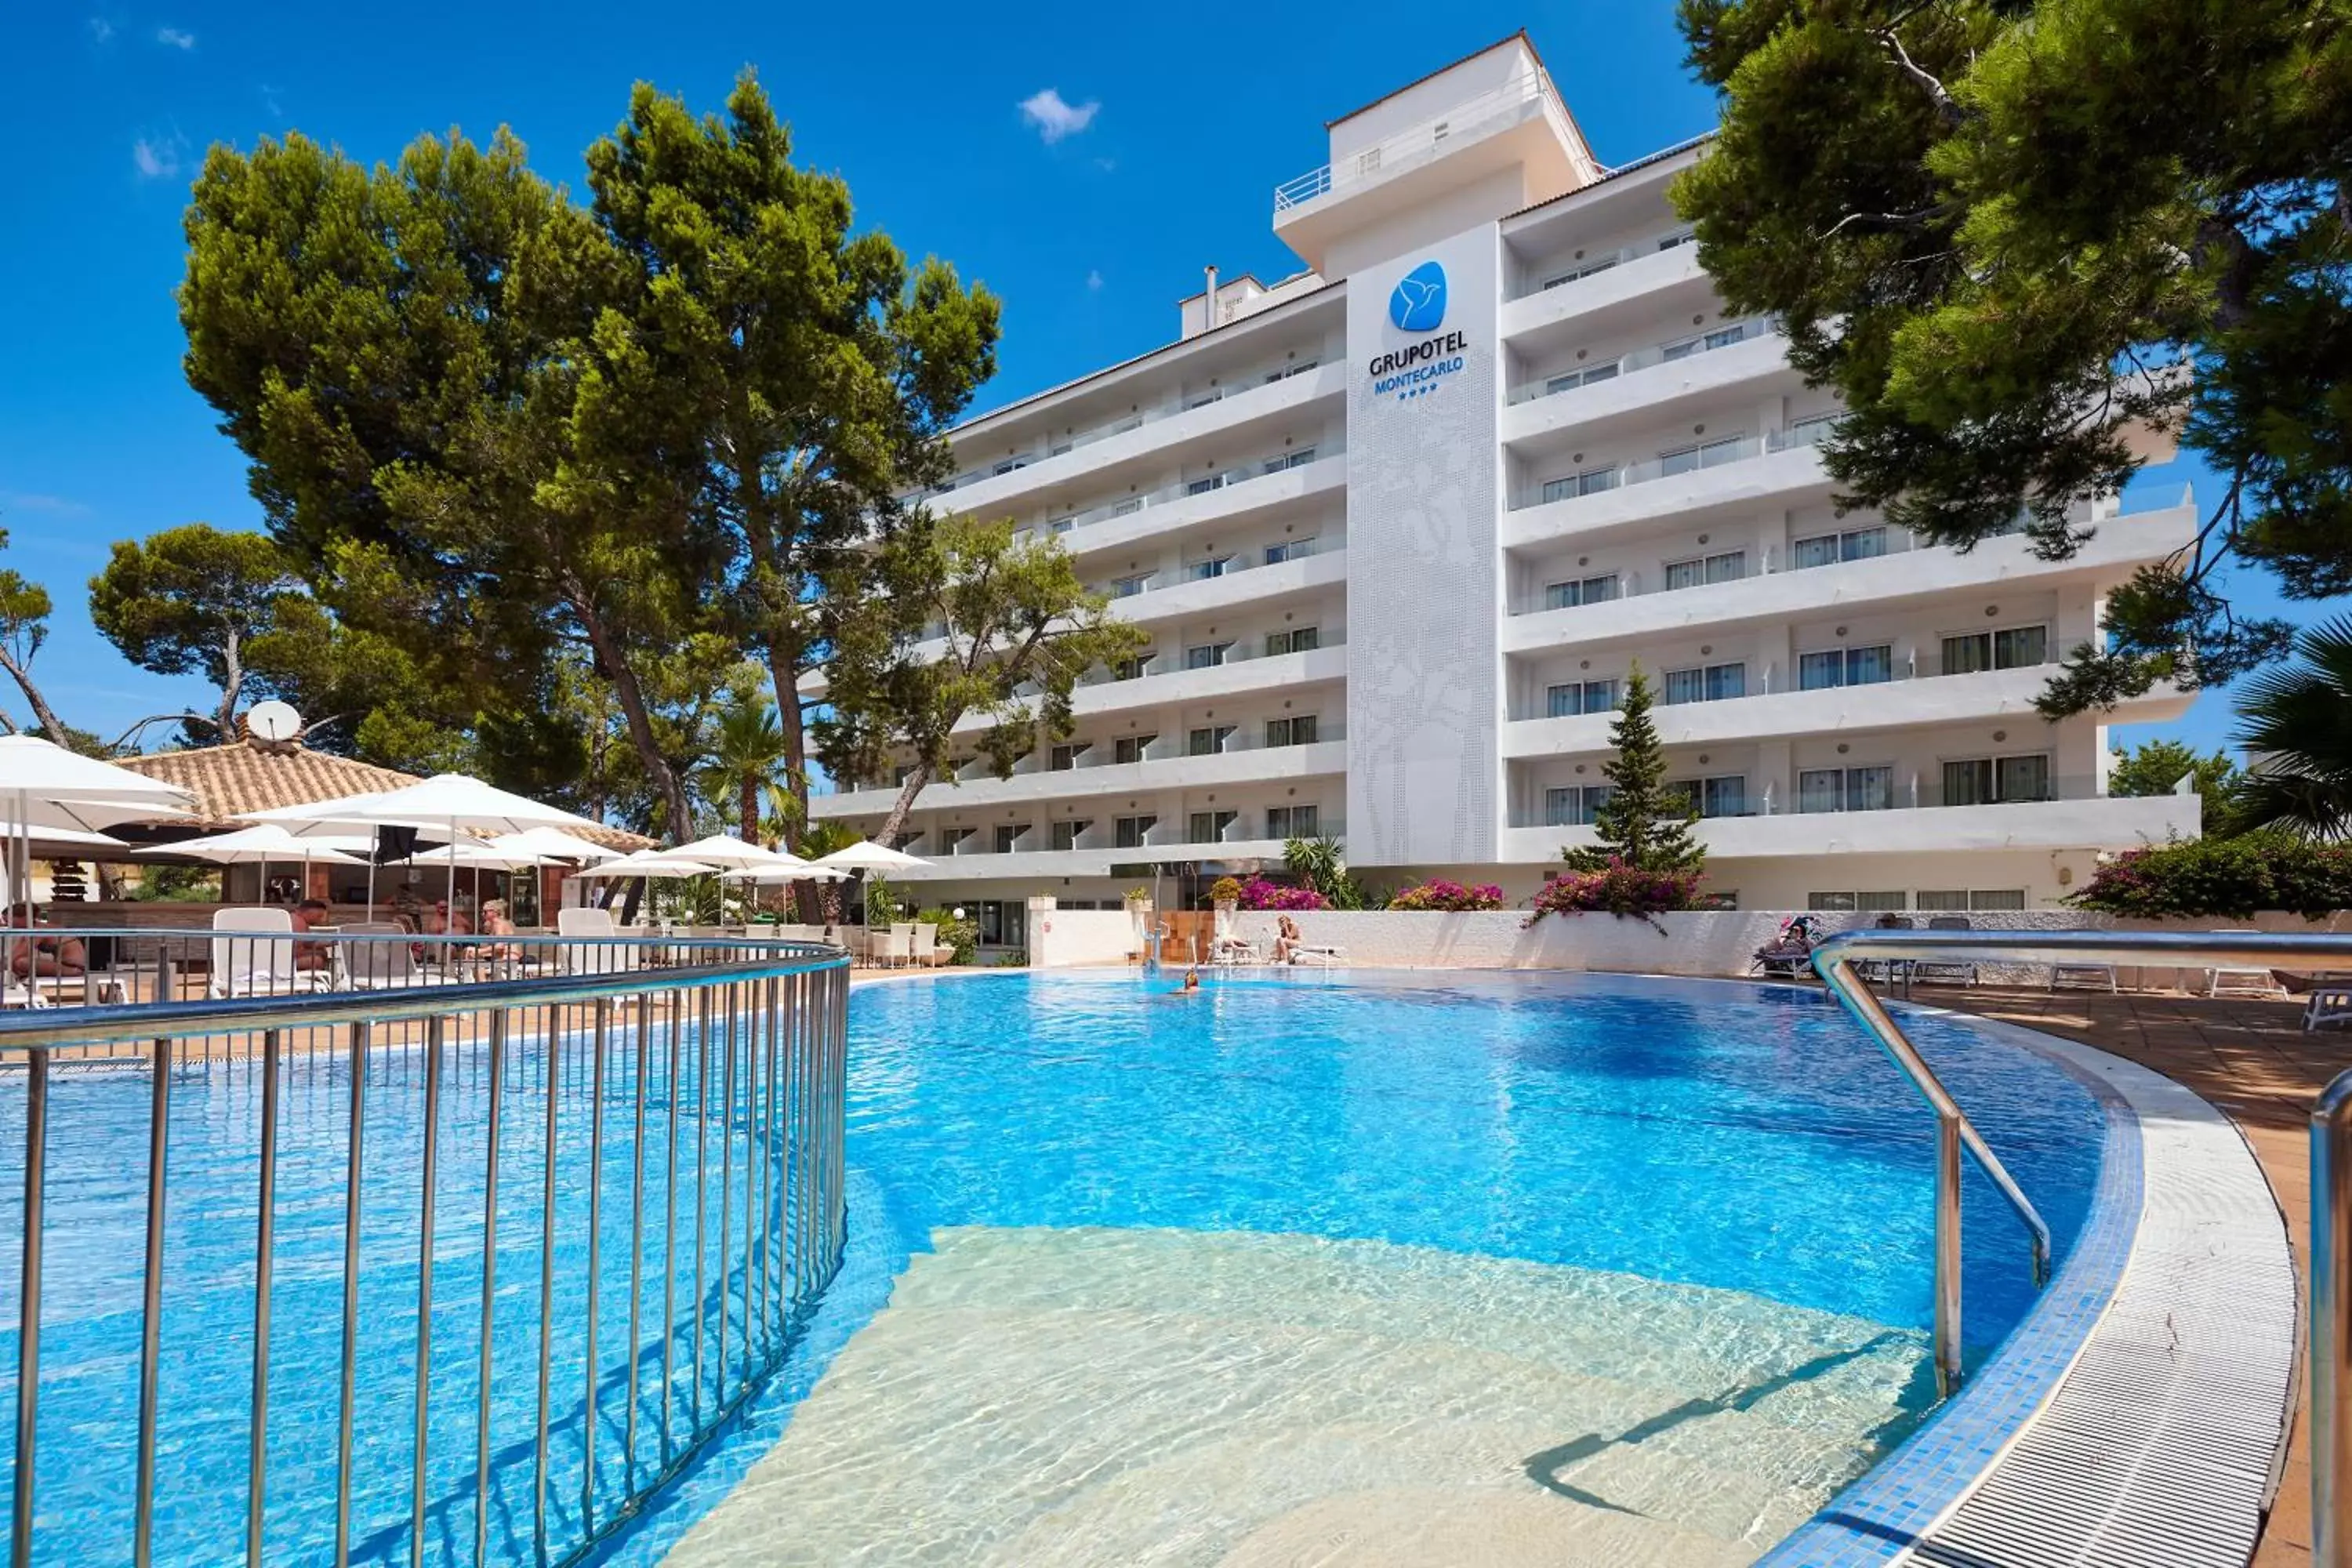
229, 780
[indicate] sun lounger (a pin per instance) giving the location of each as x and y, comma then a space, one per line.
2330, 1007
253, 954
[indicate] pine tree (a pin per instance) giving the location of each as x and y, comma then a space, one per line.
1643, 823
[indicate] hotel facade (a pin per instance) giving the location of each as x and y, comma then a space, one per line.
1400, 525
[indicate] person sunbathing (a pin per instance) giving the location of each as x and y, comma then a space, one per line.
50, 954
1286, 941
496, 923
310, 915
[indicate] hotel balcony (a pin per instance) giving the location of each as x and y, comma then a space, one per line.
2075, 818
1096, 857
1243, 758
1242, 495
1734, 475
1553, 313
1908, 701
1223, 414
1646, 608
1647, 385
1225, 581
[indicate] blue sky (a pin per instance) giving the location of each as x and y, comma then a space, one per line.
1149, 149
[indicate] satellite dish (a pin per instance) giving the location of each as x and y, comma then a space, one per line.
273, 721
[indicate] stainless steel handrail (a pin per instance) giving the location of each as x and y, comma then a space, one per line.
779, 1008
2331, 1326
1834, 961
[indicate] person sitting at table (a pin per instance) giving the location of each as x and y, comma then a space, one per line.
50, 954
496, 923
310, 915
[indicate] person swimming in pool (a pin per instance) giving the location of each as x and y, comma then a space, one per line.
1192, 983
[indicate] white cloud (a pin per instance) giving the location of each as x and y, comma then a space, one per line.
156, 158
101, 29
54, 505
1094, 281
1054, 118
174, 39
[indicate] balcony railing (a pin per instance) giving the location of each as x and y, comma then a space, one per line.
1490, 111
1264, 374
1676, 350
1163, 840
440, 1271
1185, 490
1236, 652
1230, 564
1771, 681
1711, 455
1567, 274
1910, 792
1163, 748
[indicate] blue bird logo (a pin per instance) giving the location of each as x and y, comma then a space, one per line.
1418, 304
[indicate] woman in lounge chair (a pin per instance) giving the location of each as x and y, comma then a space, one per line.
496, 923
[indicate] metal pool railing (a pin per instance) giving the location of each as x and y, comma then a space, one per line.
2330, 1290
346, 1188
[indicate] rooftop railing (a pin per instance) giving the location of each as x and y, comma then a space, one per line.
457, 1257
1490, 111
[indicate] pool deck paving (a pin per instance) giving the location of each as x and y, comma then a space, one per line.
2251, 1059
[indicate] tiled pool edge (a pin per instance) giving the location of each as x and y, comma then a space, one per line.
2140, 1411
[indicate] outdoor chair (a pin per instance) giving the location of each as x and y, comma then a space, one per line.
379, 965
252, 955
1889, 971
2227, 982
902, 941
885, 949
926, 952
2330, 1007
582, 953
1931, 970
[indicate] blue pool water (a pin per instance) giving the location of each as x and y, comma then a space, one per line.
1741, 1138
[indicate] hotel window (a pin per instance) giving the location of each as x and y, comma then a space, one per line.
1209, 826
1592, 482
1857, 903
952, 839
1201, 570
2012, 648
1297, 639
1826, 667
1729, 567
1575, 696
1990, 781
1829, 549
1712, 683
1585, 271
1065, 834
1130, 748
1705, 455
1131, 504
1202, 487
1811, 428
1723, 796
1207, 742
1290, 822
1128, 588
1578, 805
1203, 399
1845, 789
1290, 550
1297, 459
1299, 368
1009, 465
1294, 732
1957, 900
1061, 525
1584, 378
1583, 591
1065, 758
1679, 237
1133, 668
1205, 655
1008, 836
1128, 832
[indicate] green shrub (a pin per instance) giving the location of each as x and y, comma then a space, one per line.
961, 936
2226, 879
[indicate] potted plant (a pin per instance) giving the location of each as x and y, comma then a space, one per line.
1138, 916
1225, 895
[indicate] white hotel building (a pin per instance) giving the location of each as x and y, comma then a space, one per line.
1400, 524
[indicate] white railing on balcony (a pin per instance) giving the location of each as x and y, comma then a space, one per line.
1672, 350
1771, 680
1230, 564
1235, 652
1185, 490
1490, 111
1562, 274
1265, 374
1666, 465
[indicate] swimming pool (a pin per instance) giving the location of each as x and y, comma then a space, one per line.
1342, 1258
1132, 1278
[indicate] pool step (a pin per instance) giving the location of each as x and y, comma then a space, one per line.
1091, 1396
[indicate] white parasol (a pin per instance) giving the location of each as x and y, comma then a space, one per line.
47, 786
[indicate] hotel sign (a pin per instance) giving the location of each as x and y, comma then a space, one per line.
1418, 305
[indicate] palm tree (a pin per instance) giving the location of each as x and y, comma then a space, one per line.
2296, 723
823, 899
745, 762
